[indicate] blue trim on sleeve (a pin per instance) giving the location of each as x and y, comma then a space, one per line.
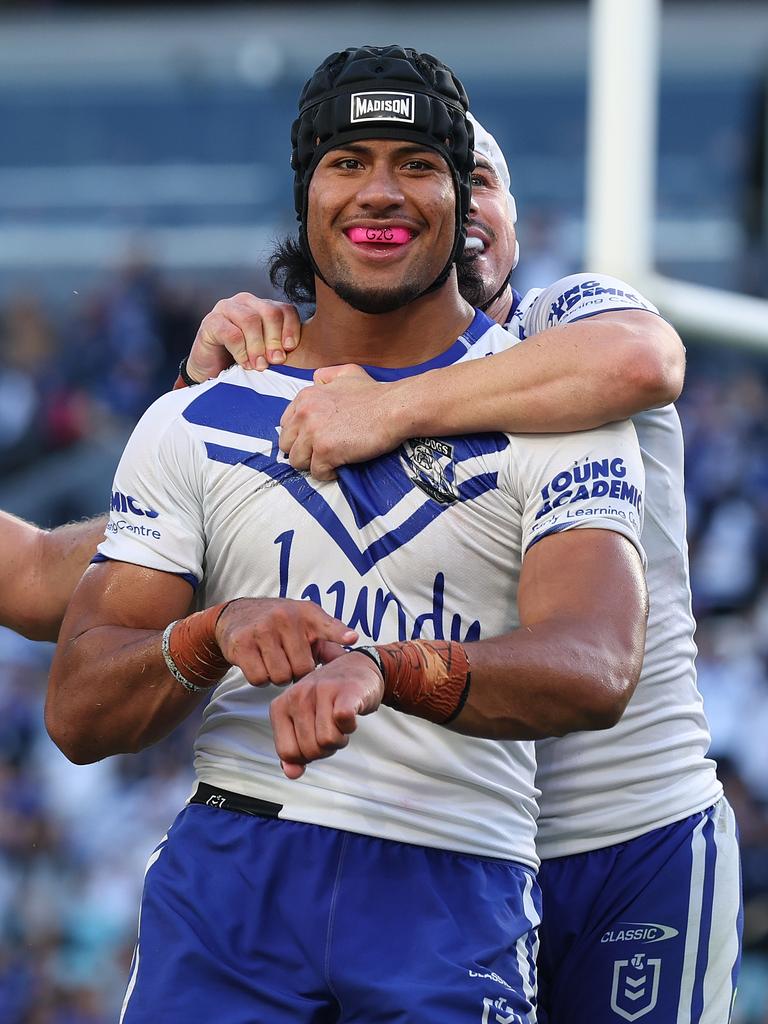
553, 529
611, 309
190, 578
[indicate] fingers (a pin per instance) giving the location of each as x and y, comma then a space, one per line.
271, 330
326, 374
274, 640
319, 466
307, 725
255, 332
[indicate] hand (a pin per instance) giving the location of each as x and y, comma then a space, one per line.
315, 717
246, 330
345, 416
274, 640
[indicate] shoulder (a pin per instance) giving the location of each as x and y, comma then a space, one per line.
576, 297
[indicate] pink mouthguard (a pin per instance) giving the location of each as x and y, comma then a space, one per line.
382, 236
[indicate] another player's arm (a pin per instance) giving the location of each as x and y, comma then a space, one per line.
40, 571
576, 376
573, 663
111, 690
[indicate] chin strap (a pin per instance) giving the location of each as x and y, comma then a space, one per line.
489, 302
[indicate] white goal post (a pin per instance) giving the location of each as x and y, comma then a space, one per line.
621, 176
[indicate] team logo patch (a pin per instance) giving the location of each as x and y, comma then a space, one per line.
635, 988
430, 465
382, 106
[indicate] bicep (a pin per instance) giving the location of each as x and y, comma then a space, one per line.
113, 593
585, 576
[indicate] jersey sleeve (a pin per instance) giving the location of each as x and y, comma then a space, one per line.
156, 506
590, 479
577, 297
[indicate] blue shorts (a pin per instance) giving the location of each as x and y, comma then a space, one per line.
254, 920
645, 930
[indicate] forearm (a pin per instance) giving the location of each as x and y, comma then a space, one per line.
568, 378
546, 680
66, 553
40, 571
110, 692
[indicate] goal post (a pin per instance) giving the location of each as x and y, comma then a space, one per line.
621, 176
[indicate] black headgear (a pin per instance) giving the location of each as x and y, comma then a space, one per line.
384, 92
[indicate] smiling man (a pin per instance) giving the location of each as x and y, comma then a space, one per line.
393, 879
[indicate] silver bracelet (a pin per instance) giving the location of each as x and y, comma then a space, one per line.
173, 667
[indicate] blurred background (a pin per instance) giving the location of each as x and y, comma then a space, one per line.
143, 173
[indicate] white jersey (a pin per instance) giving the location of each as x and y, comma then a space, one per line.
427, 541
651, 769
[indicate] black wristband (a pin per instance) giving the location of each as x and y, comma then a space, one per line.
189, 381
372, 653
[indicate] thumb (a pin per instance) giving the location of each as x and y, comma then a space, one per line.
346, 707
326, 374
325, 651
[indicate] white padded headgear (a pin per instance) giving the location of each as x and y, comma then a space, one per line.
487, 146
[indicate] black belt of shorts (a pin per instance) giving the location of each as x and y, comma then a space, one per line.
223, 800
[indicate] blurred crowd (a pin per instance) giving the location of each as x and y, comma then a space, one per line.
73, 840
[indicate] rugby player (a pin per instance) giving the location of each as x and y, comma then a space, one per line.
640, 873
396, 879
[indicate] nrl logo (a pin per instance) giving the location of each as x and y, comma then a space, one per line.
382, 106
635, 988
429, 464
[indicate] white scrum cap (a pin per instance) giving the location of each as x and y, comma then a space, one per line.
487, 146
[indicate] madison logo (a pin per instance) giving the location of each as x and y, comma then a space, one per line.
382, 106
429, 464
635, 989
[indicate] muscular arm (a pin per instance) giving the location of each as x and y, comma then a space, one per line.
110, 690
574, 377
575, 660
40, 571
572, 664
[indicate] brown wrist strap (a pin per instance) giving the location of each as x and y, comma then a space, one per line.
428, 678
192, 648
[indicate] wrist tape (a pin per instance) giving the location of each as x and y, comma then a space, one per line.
190, 650
427, 678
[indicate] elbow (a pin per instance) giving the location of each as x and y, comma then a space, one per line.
607, 694
74, 743
658, 372
75, 748
608, 703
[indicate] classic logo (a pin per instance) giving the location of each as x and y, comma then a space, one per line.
382, 106
635, 988
429, 464
626, 931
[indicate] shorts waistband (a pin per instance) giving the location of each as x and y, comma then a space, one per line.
224, 800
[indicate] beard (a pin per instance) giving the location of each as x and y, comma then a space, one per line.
386, 300
472, 286
373, 300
